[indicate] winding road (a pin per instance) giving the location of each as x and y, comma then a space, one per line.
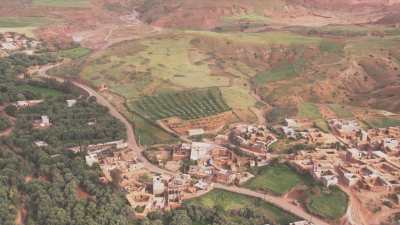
281, 202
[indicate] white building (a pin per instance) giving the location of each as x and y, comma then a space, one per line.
41, 144
353, 153
391, 144
158, 185
292, 123
350, 179
196, 132
91, 159
200, 151
71, 102
330, 180
45, 121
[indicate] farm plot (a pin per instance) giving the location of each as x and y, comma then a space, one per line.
230, 202
186, 104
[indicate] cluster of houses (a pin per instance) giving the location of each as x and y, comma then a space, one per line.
366, 161
10, 42
252, 139
145, 191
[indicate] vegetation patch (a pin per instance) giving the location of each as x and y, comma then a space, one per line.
4, 123
15, 22
238, 98
228, 202
311, 111
74, 53
148, 133
328, 203
382, 122
39, 91
331, 46
277, 178
186, 104
341, 111
61, 3
283, 72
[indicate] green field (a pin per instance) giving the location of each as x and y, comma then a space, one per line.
15, 22
150, 134
382, 122
61, 3
186, 104
331, 204
40, 91
341, 111
74, 53
137, 68
286, 70
311, 111
278, 178
231, 201
237, 97
268, 38
23, 25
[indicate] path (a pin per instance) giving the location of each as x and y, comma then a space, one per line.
354, 211
278, 201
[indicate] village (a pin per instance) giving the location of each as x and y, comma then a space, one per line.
11, 42
359, 161
362, 162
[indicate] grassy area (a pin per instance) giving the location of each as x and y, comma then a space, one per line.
74, 53
61, 3
341, 111
149, 134
231, 201
251, 17
41, 91
284, 71
18, 22
330, 46
309, 110
382, 122
284, 38
186, 104
329, 203
278, 178
137, 68
4, 123
238, 98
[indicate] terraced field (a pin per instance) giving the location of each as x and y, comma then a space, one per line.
186, 104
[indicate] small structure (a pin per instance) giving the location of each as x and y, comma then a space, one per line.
195, 132
91, 159
71, 102
158, 185
302, 222
200, 150
30, 103
41, 144
45, 121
